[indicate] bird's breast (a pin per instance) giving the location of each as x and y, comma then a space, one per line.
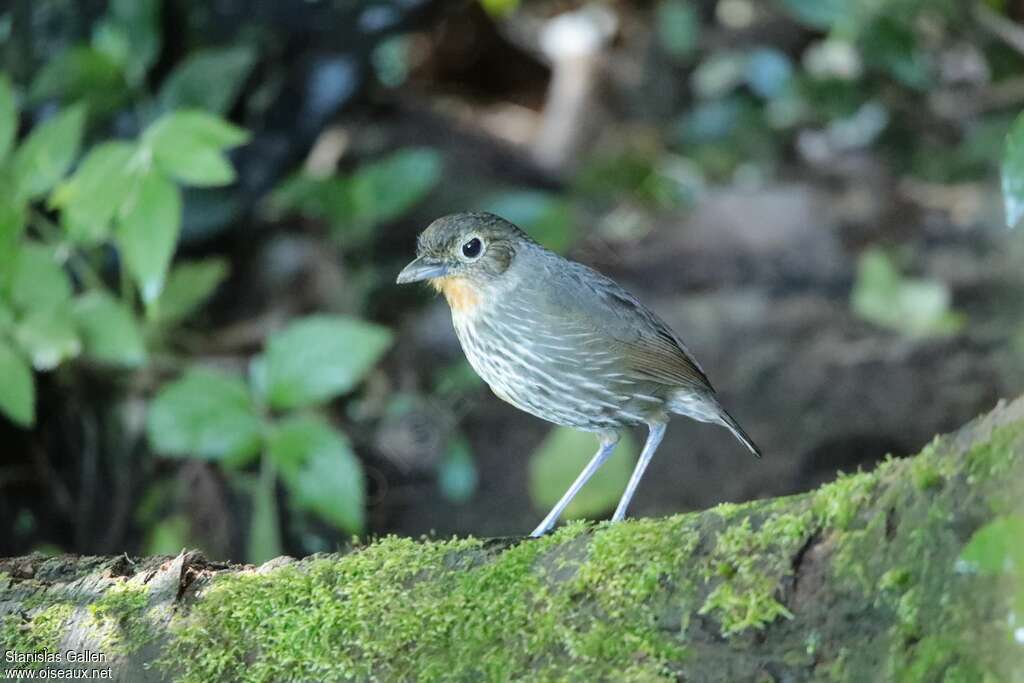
549, 371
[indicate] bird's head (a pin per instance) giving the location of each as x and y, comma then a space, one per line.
463, 254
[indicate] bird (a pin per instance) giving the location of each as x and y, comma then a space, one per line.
559, 340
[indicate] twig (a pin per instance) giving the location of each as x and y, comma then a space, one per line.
999, 26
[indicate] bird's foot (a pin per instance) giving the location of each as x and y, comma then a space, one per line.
543, 528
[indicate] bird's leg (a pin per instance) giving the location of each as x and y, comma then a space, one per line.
653, 440
608, 442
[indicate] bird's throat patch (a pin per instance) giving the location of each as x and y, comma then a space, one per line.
461, 295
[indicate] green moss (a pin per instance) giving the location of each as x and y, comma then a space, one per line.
897, 579
750, 565
925, 473
730, 511
589, 602
626, 567
621, 601
38, 633
908, 614
120, 616
42, 614
373, 615
837, 669
837, 504
939, 658
901, 559
996, 456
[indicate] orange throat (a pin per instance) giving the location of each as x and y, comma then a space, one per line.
461, 295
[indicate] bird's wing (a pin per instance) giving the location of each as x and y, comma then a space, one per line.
646, 343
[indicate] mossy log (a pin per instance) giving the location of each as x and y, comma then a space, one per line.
865, 579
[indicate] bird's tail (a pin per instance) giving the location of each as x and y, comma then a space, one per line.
733, 426
704, 406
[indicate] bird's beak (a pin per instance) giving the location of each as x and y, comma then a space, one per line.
421, 269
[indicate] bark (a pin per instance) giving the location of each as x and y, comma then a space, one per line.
890, 575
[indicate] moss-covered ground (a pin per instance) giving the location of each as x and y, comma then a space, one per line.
861, 580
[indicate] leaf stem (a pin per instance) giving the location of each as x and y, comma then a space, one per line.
79, 265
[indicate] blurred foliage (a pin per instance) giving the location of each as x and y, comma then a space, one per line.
914, 306
1013, 173
499, 8
112, 157
353, 205
457, 476
546, 216
122, 195
641, 177
678, 26
220, 417
560, 458
210, 79
853, 80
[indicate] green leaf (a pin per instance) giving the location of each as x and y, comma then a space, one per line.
678, 27
38, 281
8, 116
264, 541
189, 285
894, 46
321, 357
18, 389
916, 307
387, 188
204, 414
12, 226
6, 317
456, 474
196, 165
81, 73
49, 337
208, 79
130, 35
148, 230
325, 198
109, 331
188, 145
499, 8
46, 155
317, 464
1013, 173
562, 456
194, 125
91, 197
376, 193
996, 547
168, 537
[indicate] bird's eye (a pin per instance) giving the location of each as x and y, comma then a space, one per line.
471, 249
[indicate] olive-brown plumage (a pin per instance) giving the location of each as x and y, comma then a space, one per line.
561, 341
